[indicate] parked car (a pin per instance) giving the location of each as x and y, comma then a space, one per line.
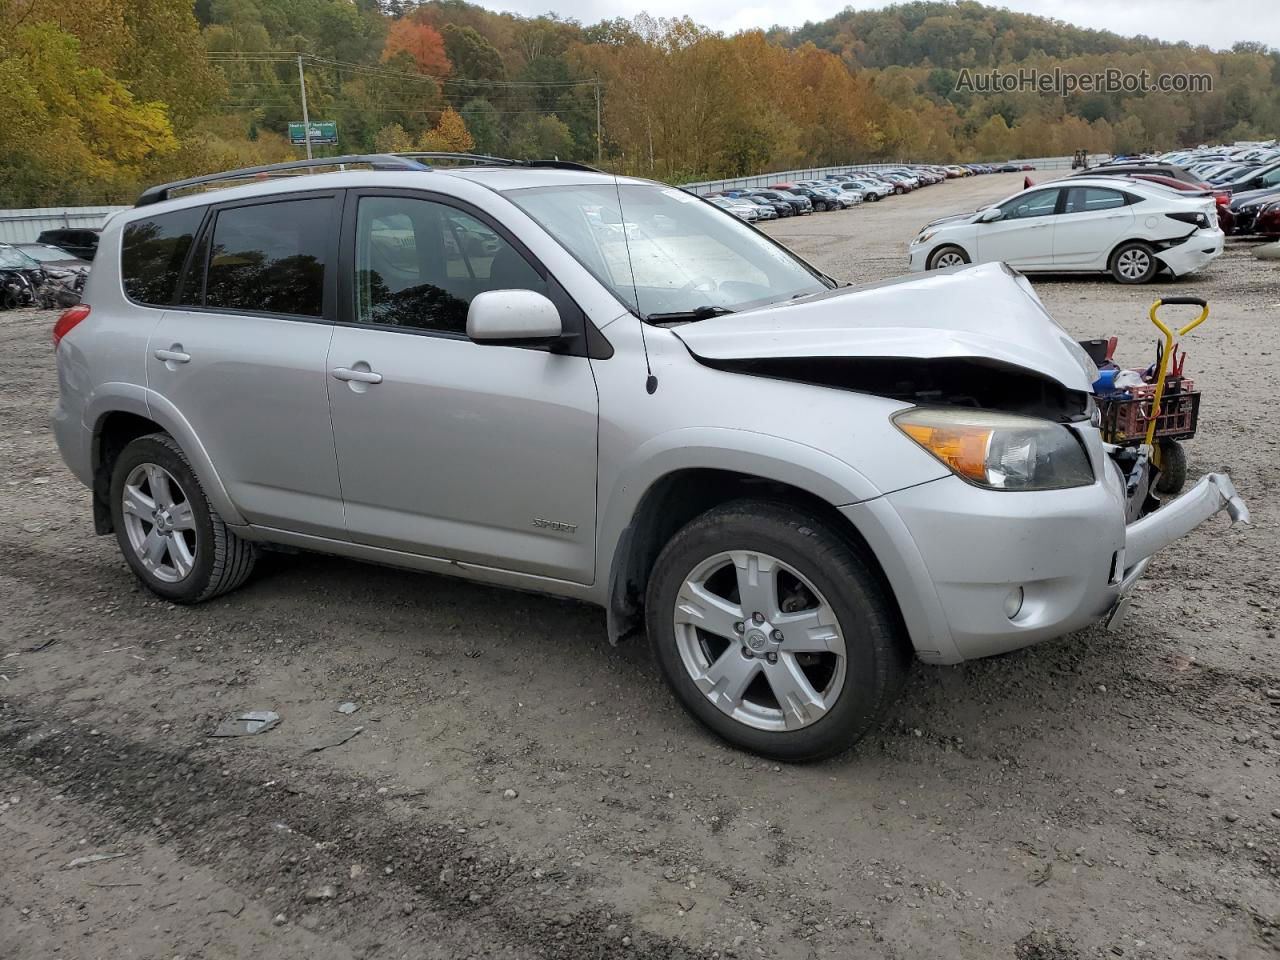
80, 241
871, 190
1113, 225
675, 443
818, 203
1247, 210
780, 208
1220, 197
1258, 178
739, 208
58, 264
799, 203
20, 277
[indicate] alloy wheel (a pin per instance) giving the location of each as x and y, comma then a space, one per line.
159, 522
1133, 264
760, 641
948, 259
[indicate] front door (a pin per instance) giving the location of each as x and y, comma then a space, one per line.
478, 453
242, 358
1023, 236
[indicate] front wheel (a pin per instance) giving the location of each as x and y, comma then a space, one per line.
947, 256
169, 533
774, 631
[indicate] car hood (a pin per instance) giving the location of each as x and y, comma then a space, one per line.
953, 218
981, 312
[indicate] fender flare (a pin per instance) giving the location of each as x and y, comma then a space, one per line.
130, 398
744, 452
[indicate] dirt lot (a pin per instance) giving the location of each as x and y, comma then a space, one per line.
519, 788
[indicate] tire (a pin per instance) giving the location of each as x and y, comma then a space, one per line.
951, 254
198, 556
824, 577
1173, 468
1133, 262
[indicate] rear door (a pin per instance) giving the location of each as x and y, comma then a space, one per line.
1023, 236
1093, 221
241, 357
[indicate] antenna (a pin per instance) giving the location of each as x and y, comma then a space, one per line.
651, 382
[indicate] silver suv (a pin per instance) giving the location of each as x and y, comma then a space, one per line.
545, 377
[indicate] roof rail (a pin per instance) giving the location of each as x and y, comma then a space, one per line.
480, 159
378, 161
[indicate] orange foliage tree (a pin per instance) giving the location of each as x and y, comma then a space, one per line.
422, 42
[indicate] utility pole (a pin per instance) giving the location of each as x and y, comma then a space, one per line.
306, 118
599, 147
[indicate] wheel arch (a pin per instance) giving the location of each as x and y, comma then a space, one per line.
677, 497
118, 422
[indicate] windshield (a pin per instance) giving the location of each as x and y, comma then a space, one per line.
46, 254
16, 259
666, 253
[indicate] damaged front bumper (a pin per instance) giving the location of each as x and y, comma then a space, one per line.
979, 572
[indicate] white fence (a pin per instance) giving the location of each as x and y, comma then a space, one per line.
23, 226
817, 173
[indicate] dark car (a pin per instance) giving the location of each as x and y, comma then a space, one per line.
1259, 178
781, 207
798, 203
81, 241
57, 263
1171, 170
1247, 209
817, 200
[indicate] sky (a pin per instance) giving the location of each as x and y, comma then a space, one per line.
1217, 23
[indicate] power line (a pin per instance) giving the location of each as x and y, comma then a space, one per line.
280, 57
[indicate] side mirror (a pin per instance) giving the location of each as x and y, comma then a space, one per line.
990, 215
512, 316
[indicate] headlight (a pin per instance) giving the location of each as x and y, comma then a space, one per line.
925, 237
1000, 451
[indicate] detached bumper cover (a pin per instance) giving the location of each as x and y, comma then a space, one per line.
1194, 252
1214, 493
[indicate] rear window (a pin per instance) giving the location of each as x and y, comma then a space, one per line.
270, 258
153, 252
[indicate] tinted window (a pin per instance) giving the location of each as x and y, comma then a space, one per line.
1038, 204
419, 264
1089, 199
152, 253
270, 257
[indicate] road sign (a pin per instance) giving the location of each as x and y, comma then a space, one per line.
322, 131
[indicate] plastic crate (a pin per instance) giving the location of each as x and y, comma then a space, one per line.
1125, 418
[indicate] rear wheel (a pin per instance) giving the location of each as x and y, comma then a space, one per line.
774, 632
169, 533
1133, 262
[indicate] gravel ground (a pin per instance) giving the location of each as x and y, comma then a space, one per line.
519, 788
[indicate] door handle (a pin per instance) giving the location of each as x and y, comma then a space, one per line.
173, 355
359, 376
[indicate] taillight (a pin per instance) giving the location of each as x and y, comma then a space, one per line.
69, 320
1222, 199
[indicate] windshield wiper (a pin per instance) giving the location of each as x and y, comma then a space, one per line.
697, 313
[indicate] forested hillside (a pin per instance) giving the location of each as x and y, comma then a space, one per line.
105, 95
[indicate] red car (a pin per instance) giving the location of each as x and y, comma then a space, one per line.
1268, 222
1226, 219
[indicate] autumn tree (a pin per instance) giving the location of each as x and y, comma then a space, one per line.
420, 41
449, 135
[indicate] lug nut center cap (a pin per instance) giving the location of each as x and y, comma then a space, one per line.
757, 640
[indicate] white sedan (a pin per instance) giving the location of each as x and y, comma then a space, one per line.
1128, 228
